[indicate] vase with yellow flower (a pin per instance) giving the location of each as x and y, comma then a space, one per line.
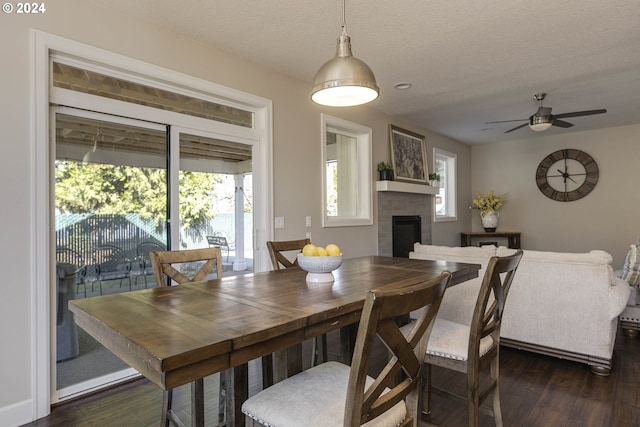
489, 204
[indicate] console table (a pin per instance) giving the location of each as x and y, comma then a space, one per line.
513, 238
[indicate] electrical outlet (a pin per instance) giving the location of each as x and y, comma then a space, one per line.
279, 220
308, 220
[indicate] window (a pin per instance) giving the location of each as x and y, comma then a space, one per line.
445, 200
346, 173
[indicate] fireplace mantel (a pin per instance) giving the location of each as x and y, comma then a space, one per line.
406, 187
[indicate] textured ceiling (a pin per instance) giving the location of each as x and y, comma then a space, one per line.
469, 62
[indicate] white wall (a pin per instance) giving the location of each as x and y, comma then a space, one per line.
605, 219
296, 151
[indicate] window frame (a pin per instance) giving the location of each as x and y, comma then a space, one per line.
363, 136
448, 185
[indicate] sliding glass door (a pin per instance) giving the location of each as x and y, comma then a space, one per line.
110, 212
123, 188
215, 197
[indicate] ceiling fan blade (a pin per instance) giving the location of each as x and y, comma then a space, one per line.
561, 123
506, 121
518, 127
543, 112
579, 113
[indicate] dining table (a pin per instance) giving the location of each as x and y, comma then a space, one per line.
175, 335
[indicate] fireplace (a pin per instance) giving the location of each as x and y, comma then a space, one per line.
392, 203
405, 231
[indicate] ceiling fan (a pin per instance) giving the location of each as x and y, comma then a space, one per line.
543, 119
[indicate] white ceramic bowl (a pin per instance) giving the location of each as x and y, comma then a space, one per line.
319, 268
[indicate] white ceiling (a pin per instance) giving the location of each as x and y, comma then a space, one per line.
469, 61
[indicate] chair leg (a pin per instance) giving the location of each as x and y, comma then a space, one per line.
222, 395
197, 402
319, 352
167, 397
495, 377
473, 399
426, 390
267, 371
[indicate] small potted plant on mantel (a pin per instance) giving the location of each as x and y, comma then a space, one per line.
386, 171
434, 179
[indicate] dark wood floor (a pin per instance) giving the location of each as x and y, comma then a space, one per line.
535, 391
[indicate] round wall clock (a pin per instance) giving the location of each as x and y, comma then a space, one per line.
567, 175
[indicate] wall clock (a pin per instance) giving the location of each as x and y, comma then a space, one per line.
567, 175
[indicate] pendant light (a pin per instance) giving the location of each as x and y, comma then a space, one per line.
344, 81
90, 156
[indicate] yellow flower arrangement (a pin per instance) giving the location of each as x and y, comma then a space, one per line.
489, 202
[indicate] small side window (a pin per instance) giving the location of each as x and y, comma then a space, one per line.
346, 173
445, 200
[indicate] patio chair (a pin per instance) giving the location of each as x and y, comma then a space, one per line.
67, 255
143, 258
219, 242
111, 263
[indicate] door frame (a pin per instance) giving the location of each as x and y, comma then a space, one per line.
43, 47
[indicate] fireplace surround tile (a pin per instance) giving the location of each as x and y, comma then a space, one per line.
392, 204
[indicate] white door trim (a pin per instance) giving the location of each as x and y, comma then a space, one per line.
43, 45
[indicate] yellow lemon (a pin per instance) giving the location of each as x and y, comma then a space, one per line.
321, 251
310, 250
333, 249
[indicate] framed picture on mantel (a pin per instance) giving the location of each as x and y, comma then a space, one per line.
408, 156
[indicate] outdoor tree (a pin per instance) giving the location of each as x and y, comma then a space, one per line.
110, 189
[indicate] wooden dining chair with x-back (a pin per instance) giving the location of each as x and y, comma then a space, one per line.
284, 254
333, 393
473, 348
182, 267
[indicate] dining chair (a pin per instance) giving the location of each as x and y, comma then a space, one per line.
284, 255
333, 393
164, 269
277, 252
473, 348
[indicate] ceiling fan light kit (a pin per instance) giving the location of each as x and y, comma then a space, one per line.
344, 81
539, 124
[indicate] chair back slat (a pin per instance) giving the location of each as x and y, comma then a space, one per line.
276, 249
381, 309
163, 261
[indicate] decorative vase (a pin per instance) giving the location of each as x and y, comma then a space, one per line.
386, 175
490, 220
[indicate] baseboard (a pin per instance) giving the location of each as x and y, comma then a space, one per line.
16, 414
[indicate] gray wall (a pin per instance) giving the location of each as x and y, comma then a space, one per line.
605, 219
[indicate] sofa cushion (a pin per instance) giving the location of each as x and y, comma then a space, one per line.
631, 269
593, 257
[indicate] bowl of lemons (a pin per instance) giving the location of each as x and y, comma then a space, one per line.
319, 262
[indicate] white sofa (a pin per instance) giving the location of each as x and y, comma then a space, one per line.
560, 304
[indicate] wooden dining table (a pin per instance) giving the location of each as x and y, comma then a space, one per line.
178, 334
